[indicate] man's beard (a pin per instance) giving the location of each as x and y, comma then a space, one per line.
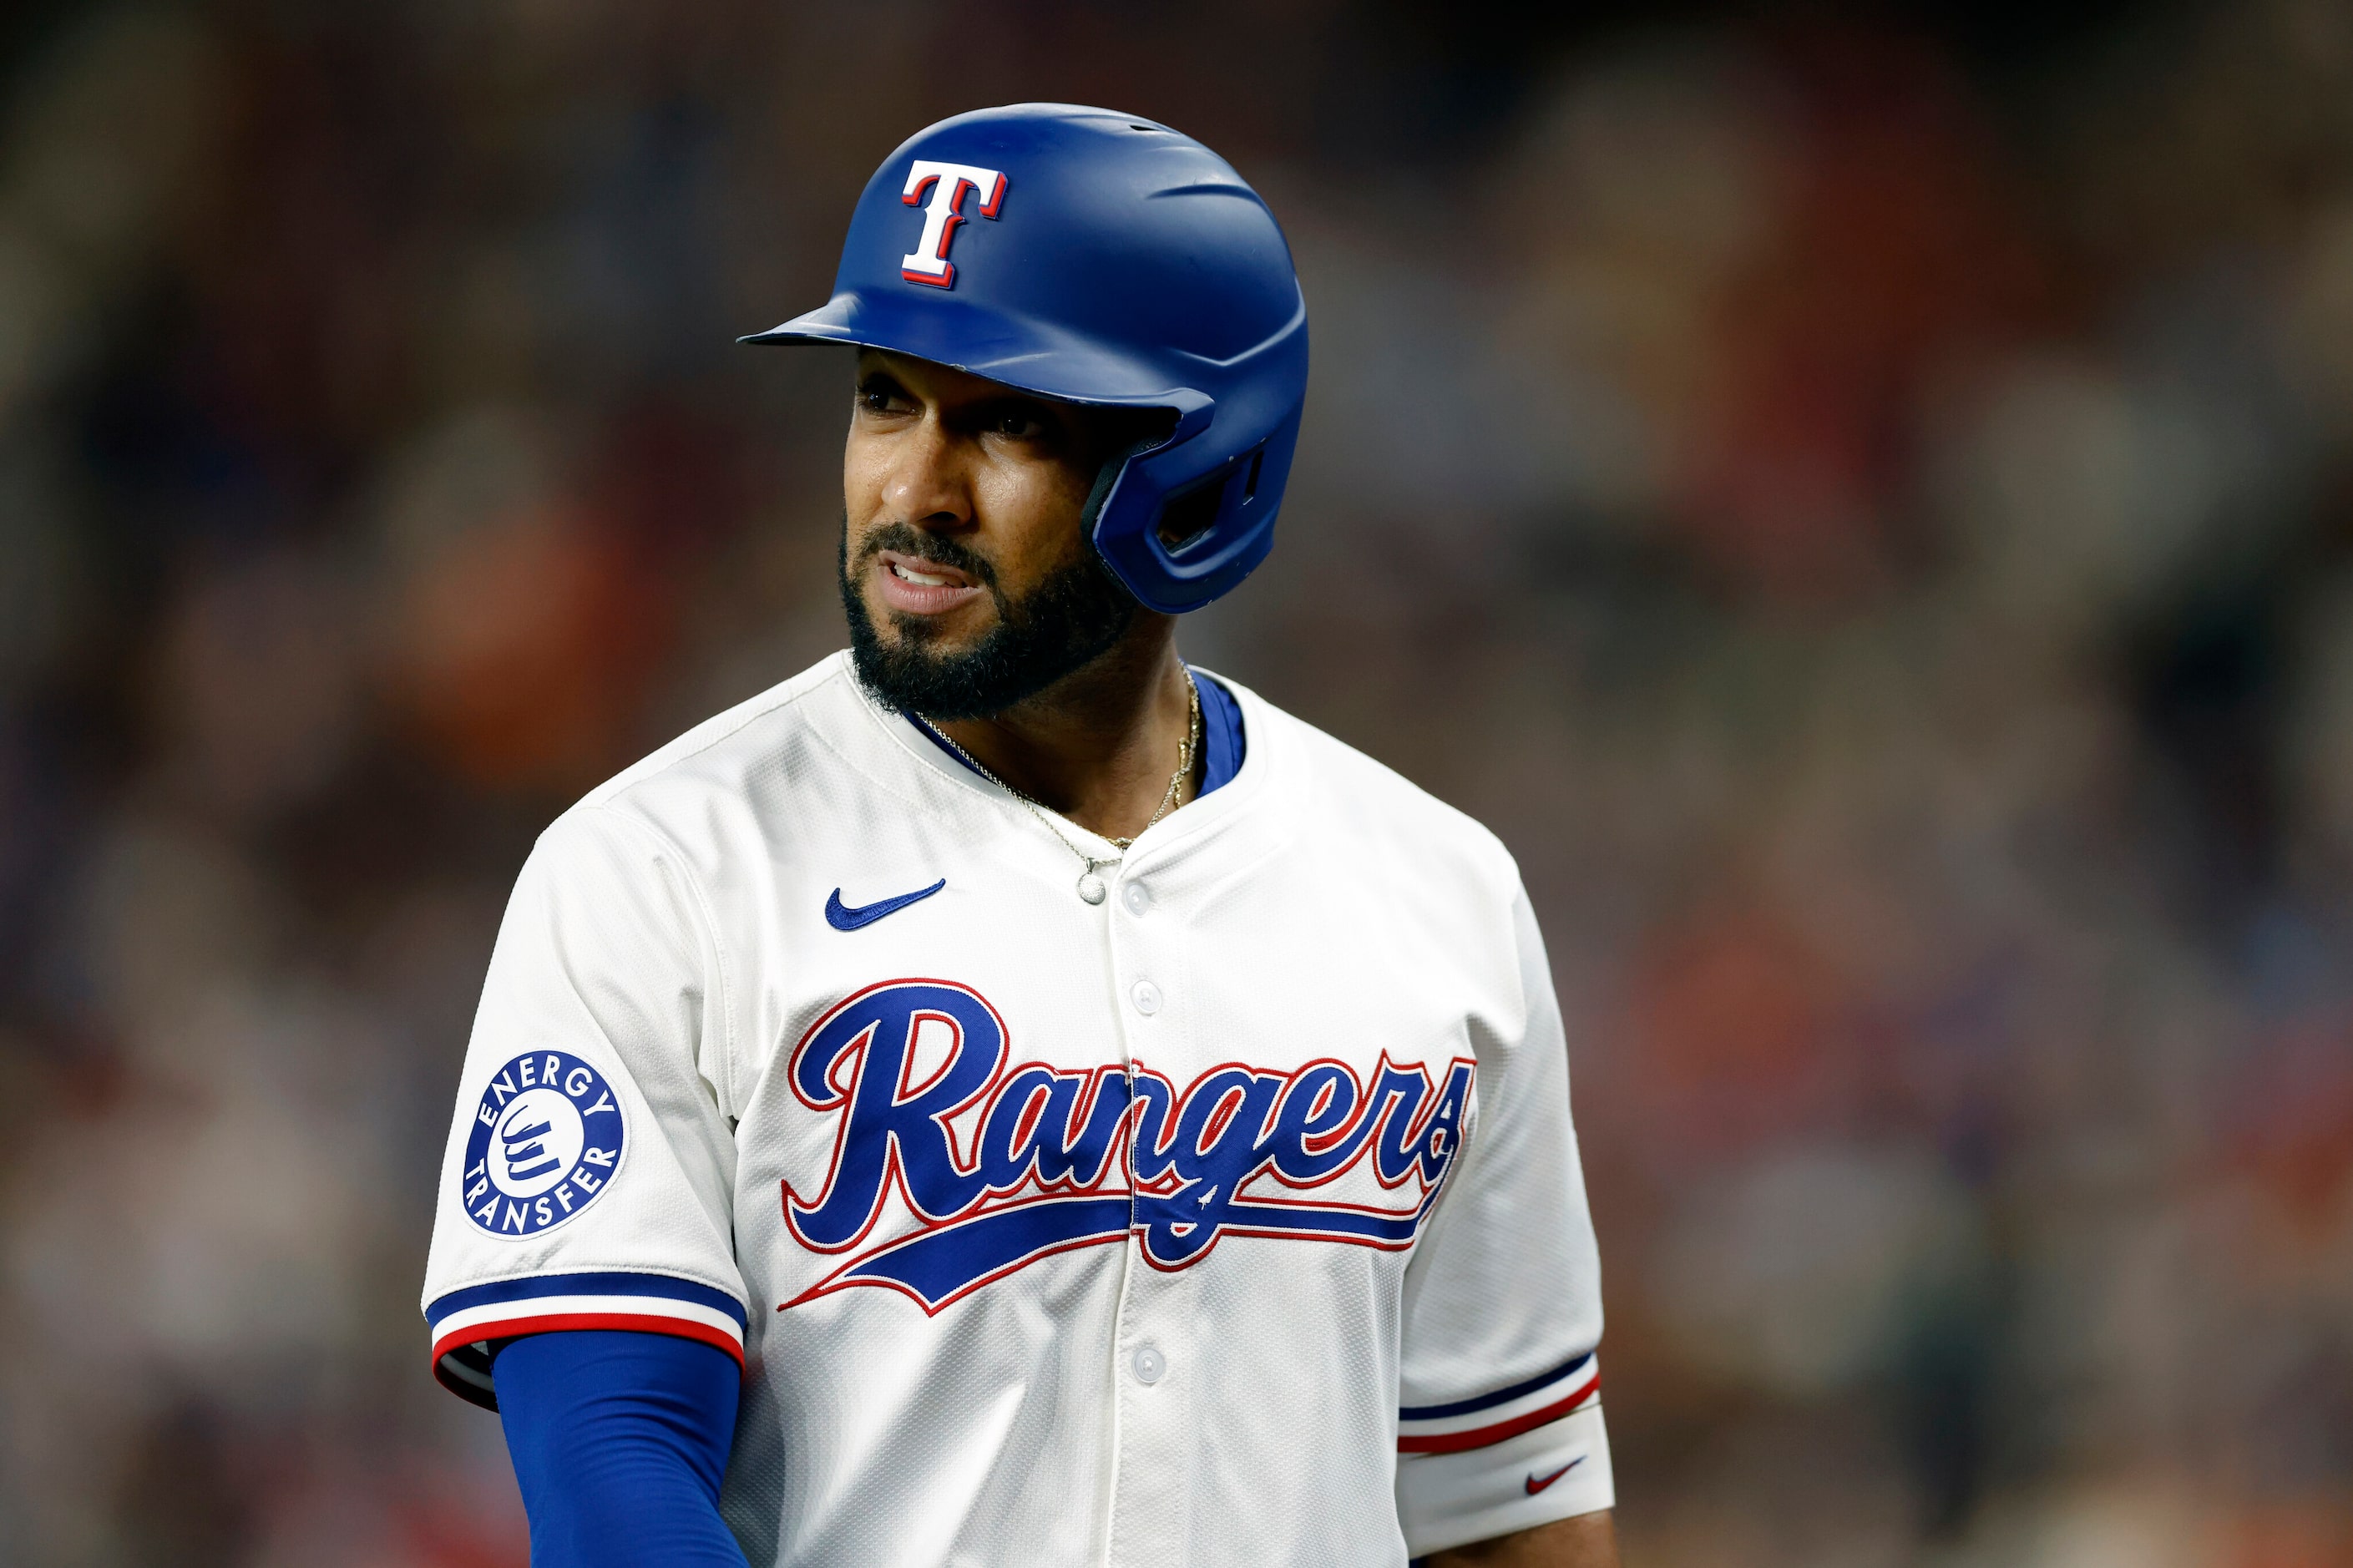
1064, 624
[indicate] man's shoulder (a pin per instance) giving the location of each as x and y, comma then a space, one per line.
1359, 799
789, 737
723, 745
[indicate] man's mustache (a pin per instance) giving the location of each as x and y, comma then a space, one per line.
914, 542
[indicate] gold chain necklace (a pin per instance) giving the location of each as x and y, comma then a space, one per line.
1091, 886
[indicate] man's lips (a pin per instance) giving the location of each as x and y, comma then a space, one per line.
921, 587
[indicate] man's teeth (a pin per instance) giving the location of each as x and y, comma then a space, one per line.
922, 579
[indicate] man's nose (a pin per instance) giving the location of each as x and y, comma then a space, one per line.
929, 485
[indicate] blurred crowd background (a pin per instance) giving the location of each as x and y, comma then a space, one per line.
1861, 500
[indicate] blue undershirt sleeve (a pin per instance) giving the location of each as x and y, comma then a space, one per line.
619, 1440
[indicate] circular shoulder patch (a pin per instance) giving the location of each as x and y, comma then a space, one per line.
546, 1140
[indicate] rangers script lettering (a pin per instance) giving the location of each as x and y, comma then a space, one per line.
1000, 1168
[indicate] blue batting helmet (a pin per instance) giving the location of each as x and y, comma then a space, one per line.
1097, 258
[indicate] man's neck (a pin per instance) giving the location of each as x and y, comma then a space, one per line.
1099, 745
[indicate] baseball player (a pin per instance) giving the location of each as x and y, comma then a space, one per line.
1005, 1097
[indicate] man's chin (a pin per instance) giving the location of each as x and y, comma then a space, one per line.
937, 684
939, 636
942, 668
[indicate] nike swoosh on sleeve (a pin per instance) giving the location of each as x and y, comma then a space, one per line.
1535, 1486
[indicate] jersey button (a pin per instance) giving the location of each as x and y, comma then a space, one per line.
1146, 997
1138, 896
1150, 1365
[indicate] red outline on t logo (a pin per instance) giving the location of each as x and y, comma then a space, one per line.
928, 262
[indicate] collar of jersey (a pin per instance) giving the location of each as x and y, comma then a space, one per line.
1267, 764
1217, 702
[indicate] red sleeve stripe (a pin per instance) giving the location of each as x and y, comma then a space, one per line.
586, 1307
1511, 1426
557, 1322
466, 1323
463, 1368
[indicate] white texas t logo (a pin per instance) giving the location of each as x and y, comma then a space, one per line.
928, 263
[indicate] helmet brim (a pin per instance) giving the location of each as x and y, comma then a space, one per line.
1014, 350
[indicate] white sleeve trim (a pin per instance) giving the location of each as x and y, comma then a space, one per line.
464, 1322
1555, 1472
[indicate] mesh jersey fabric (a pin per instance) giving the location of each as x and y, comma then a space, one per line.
1316, 981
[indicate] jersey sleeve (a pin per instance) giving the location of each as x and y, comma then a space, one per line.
1500, 1425
589, 1178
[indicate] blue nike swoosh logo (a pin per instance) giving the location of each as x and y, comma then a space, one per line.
842, 917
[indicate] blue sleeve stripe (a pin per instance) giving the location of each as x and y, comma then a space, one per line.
665, 1286
1501, 1396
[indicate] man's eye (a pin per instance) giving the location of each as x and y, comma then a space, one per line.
1020, 424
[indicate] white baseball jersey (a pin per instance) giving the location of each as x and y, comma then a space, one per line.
1234, 1219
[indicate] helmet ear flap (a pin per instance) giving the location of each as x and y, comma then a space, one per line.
1180, 546
1193, 514
1107, 478
1187, 517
